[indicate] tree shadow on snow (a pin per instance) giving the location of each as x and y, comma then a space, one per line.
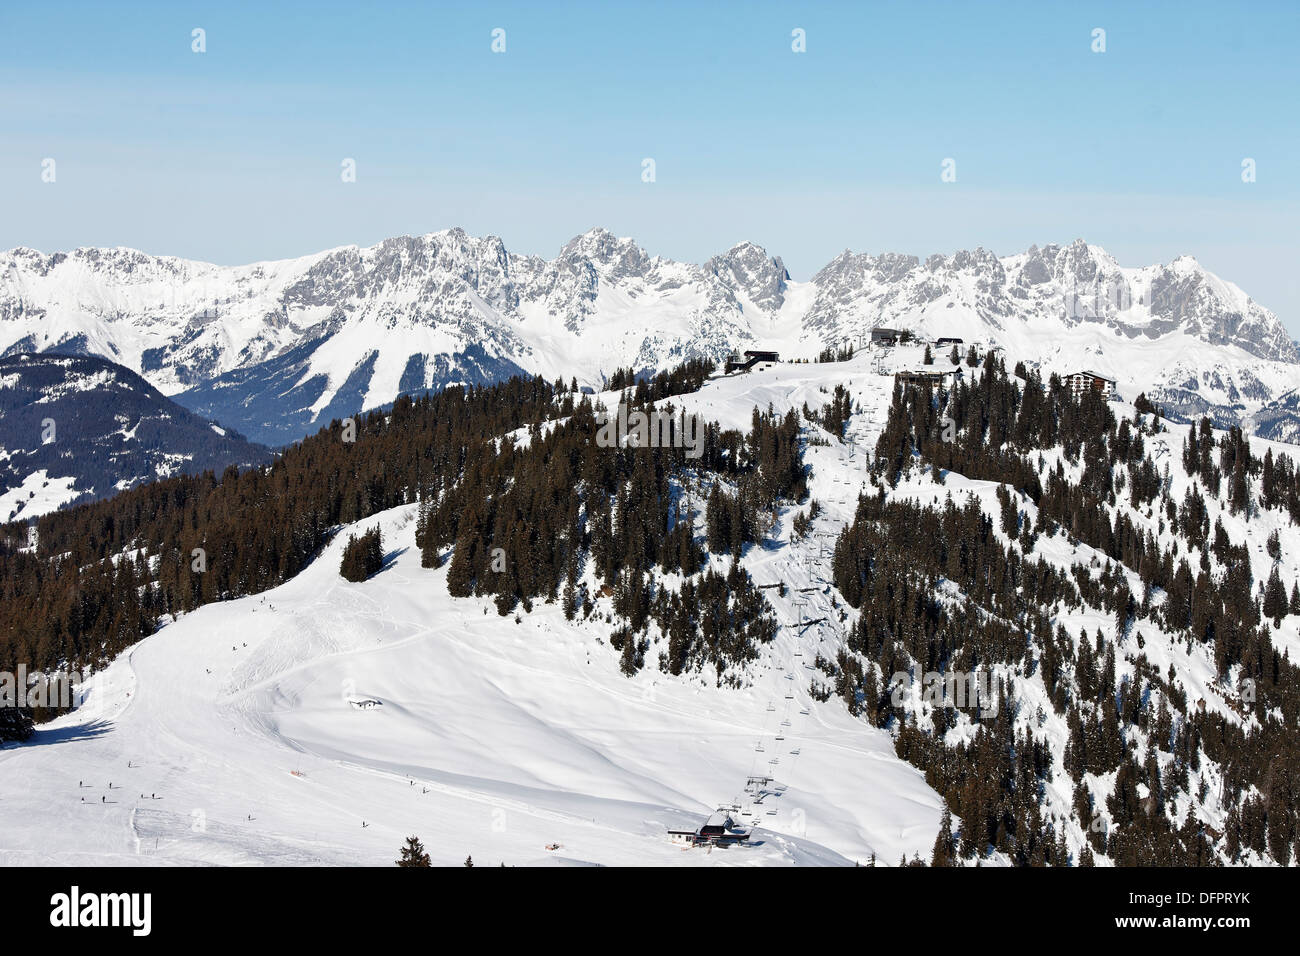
390, 559
52, 736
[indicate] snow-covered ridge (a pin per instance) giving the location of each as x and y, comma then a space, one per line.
78, 427
277, 348
501, 739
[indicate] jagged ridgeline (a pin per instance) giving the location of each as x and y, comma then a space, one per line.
943, 587
104, 575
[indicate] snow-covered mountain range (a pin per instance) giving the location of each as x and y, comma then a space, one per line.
276, 349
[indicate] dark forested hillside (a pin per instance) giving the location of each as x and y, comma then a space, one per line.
1134, 732
1093, 565
103, 427
106, 574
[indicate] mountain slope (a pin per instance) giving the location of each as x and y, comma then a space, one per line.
516, 736
74, 428
1106, 571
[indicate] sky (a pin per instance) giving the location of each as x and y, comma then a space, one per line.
237, 153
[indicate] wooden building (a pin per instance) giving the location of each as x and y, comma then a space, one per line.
1080, 382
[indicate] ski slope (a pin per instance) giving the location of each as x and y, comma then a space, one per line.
491, 738
268, 730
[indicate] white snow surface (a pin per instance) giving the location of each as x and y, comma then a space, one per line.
494, 739
523, 735
38, 494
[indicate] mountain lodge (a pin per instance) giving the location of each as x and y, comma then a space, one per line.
1079, 382
752, 358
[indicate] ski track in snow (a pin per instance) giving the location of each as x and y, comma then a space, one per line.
522, 734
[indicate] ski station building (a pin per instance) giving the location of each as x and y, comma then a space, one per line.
1080, 382
752, 358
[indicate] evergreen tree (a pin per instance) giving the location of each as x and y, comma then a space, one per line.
945, 847
1276, 605
413, 853
15, 724
362, 556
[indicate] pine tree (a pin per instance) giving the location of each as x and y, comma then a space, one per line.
1276, 605
945, 847
413, 853
362, 556
15, 724
469, 861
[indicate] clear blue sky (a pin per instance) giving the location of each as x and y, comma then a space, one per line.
234, 155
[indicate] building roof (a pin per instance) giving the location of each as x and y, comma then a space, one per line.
926, 372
